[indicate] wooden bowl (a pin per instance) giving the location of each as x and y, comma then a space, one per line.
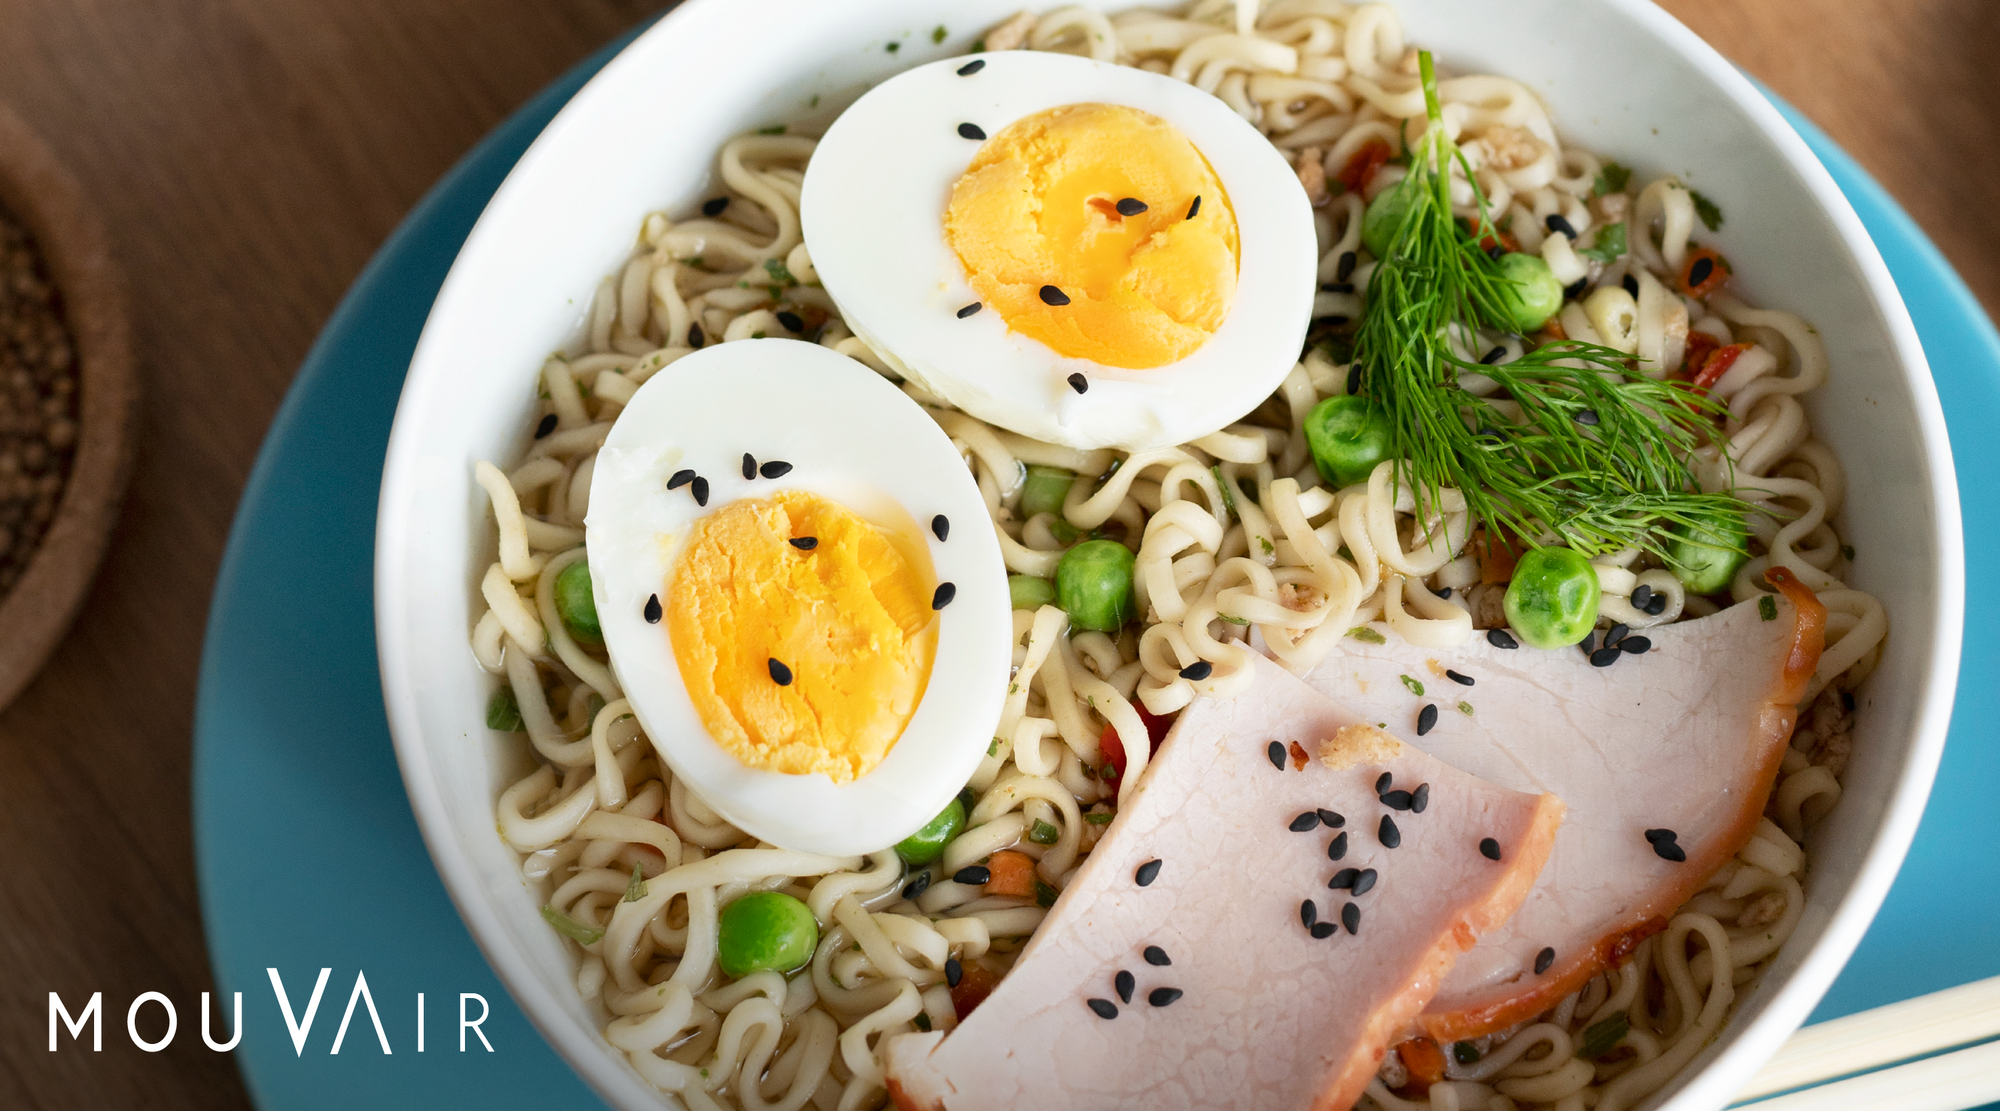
42, 195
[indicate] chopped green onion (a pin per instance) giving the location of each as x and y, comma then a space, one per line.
1043, 833
1612, 178
1465, 708
1767, 608
1366, 635
571, 928
1711, 216
503, 711
939, 34
1228, 496
636, 890
1044, 894
1601, 1037
1609, 247
1416, 688
1099, 817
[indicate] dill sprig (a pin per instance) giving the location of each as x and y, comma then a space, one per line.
1576, 443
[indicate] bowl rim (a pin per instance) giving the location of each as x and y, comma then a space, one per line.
1716, 1076
39, 191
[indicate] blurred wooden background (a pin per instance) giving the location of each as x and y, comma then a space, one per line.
250, 155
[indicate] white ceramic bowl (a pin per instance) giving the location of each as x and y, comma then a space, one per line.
1622, 78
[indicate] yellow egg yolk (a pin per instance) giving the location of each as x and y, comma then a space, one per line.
850, 620
1040, 206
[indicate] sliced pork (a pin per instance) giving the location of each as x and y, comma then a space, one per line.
1665, 757
1253, 983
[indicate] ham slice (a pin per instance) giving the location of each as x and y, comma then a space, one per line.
1269, 1016
1686, 737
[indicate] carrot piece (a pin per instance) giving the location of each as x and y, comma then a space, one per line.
1496, 558
1362, 165
1424, 1060
1011, 873
1698, 280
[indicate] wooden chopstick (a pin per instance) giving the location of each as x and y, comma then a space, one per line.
1950, 1082
1882, 1036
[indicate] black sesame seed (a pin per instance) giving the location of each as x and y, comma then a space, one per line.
1666, 848
792, 321
1587, 417
1197, 671
1427, 718
545, 426
1365, 882
970, 131
749, 465
1337, 848
1605, 657
776, 468
1337, 287
1344, 878
1131, 206
1103, 1008
681, 478
1124, 982
941, 527
805, 543
1079, 383
1354, 379
1304, 822
1589, 643
970, 309
1388, 834
973, 875
1442, 592
1543, 960
917, 886
1331, 320
700, 487
1699, 272
1556, 223
1631, 285
1343, 268
1156, 956
1847, 701
972, 67
1147, 873
942, 596
1350, 917
1194, 208
1501, 638
1331, 819
1160, 997
1642, 597
1383, 782
1465, 1053
1308, 913
1657, 606
1420, 799
1456, 677
713, 206
953, 971
1658, 835
653, 611
1495, 252
780, 674
696, 337
1493, 356
1276, 752
1052, 295
1323, 930
1575, 289
1637, 646
1615, 634
1489, 848
1396, 800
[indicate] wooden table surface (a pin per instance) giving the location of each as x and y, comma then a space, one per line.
250, 155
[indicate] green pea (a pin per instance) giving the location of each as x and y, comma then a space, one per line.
1705, 557
1029, 592
1044, 490
1530, 296
1552, 602
1385, 217
1094, 584
1348, 436
927, 844
575, 604
503, 711
766, 929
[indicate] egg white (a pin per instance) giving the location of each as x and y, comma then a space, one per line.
873, 210
851, 437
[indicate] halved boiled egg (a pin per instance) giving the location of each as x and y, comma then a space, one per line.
1085, 253
799, 592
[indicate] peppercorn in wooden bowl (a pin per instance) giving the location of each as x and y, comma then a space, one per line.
68, 396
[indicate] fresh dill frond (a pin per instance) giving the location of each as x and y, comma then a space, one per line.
1575, 444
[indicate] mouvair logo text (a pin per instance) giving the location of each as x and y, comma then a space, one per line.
472, 1013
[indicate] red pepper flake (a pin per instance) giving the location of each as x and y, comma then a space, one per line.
1298, 757
1700, 345
1363, 165
1717, 365
1114, 749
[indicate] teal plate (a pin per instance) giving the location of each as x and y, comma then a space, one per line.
306, 849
